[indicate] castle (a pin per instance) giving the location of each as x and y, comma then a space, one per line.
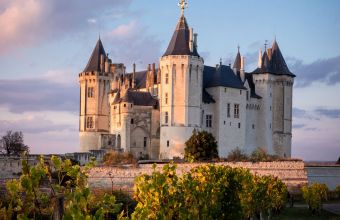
152, 113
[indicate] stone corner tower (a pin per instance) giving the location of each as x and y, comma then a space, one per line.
94, 113
181, 90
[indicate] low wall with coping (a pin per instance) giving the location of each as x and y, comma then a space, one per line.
290, 172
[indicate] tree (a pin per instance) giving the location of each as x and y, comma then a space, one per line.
13, 143
201, 146
314, 196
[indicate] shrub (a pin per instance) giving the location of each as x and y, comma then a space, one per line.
201, 146
237, 155
115, 158
206, 192
259, 155
337, 191
314, 195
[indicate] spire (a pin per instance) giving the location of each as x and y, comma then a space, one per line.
183, 5
237, 62
94, 63
277, 62
180, 41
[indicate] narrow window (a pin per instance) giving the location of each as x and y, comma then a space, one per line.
225, 90
145, 142
89, 122
166, 98
247, 95
236, 110
90, 92
270, 108
228, 110
166, 78
239, 125
166, 117
253, 126
208, 121
132, 121
240, 92
167, 143
270, 125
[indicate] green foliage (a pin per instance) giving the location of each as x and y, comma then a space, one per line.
115, 158
237, 155
314, 195
13, 143
259, 155
337, 191
57, 186
206, 192
201, 146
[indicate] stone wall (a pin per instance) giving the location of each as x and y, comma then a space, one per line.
290, 172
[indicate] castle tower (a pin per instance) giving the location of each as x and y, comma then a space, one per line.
95, 85
274, 83
181, 90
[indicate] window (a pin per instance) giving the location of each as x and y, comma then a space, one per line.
225, 90
89, 122
253, 126
236, 110
145, 142
270, 108
166, 117
166, 78
239, 125
90, 92
132, 121
167, 143
240, 92
166, 98
208, 121
270, 125
247, 95
228, 110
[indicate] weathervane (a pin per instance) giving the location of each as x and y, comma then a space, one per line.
183, 5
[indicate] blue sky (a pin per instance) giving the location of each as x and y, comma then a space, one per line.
44, 44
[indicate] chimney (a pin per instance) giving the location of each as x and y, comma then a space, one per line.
102, 63
191, 40
259, 62
153, 67
134, 76
242, 74
149, 67
195, 40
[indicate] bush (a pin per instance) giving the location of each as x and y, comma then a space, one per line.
315, 195
337, 191
259, 155
201, 146
115, 158
206, 192
237, 155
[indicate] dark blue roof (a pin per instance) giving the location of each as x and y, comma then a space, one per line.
179, 44
221, 76
94, 62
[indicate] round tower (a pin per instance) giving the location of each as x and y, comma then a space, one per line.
181, 91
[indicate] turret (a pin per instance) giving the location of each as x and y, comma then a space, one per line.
181, 90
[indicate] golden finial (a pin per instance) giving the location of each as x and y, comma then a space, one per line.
183, 5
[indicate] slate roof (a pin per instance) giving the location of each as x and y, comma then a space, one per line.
221, 76
179, 44
249, 78
140, 78
94, 62
274, 64
207, 98
137, 98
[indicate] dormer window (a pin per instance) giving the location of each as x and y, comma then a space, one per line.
166, 78
90, 92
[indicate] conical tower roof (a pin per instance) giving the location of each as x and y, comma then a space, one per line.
94, 62
277, 62
179, 44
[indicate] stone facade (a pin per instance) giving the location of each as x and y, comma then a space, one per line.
152, 113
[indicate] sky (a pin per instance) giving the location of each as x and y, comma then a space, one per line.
45, 44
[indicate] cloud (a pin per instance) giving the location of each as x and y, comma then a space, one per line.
322, 70
39, 94
331, 113
131, 44
30, 22
298, 126
35, 124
